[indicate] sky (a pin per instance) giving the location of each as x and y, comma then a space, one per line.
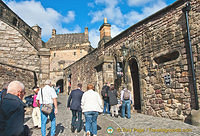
72, 16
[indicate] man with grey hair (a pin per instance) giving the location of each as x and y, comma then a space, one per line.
47, 95
12, 111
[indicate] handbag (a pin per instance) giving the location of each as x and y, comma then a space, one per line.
46, 108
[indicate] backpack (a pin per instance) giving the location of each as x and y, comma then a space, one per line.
105, 91
126, 95
2, 94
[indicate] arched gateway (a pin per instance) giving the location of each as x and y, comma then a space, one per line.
134, 83
60, 83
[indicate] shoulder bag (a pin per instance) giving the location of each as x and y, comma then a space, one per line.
46, 108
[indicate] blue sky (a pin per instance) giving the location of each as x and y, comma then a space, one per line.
72, 16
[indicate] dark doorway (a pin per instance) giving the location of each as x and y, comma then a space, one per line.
60, 83
136, 86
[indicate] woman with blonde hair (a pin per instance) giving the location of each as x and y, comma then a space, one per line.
91, 105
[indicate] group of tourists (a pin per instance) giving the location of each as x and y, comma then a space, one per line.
12, 109
88, 103
111, 103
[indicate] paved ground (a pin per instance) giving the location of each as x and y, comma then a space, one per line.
138, 125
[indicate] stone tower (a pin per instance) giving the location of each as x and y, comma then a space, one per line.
105, 32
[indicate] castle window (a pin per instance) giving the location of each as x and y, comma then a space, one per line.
1, 11
167, 57
54, 54
74, 53
14, 22
27, 32
81, 51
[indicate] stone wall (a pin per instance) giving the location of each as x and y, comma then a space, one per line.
159, 45
19, 43
16, 50
159, 36
10, 18
60, 59
9, 73
83, 71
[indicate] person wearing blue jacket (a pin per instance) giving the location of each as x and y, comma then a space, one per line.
12, 111
74, 104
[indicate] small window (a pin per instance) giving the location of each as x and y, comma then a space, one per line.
81, 51
167, 57
1, 11
14, 22
54, 54
27, 32
74, 53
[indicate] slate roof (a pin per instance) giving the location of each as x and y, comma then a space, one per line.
60, 40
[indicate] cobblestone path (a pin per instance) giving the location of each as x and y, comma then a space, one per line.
138, 125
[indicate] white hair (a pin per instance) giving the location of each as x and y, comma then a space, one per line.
48, 82
15, 86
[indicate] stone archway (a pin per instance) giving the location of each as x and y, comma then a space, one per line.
134, 75
60, 83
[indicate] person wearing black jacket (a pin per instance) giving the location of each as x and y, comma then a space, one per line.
12, 111
74, 103
104, 94
112, 94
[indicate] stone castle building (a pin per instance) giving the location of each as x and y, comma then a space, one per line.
25, 57
157, 58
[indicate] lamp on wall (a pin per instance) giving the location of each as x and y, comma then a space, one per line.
124, 51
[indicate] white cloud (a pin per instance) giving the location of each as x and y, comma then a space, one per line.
70, 17
32, 12
111, 11
115, 30
94, 37
110, 3
134, 16
91, 5
154, 8
138, 2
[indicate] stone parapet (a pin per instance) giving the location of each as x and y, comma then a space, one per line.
9, 17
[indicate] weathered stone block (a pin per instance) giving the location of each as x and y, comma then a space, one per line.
195, 117
157, 92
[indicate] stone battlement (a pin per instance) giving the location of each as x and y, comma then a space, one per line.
9, 17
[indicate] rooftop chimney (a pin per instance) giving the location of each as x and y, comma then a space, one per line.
86, 33
37, 29
105, 32
53, 33
105, 20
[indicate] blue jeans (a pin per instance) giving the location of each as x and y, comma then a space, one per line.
44, 121
106, 106
77, 125
91, 121
126, 104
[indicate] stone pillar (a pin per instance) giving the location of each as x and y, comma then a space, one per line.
53, 33
86, 34
195, 117
44, 54
108, 70
37, 29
